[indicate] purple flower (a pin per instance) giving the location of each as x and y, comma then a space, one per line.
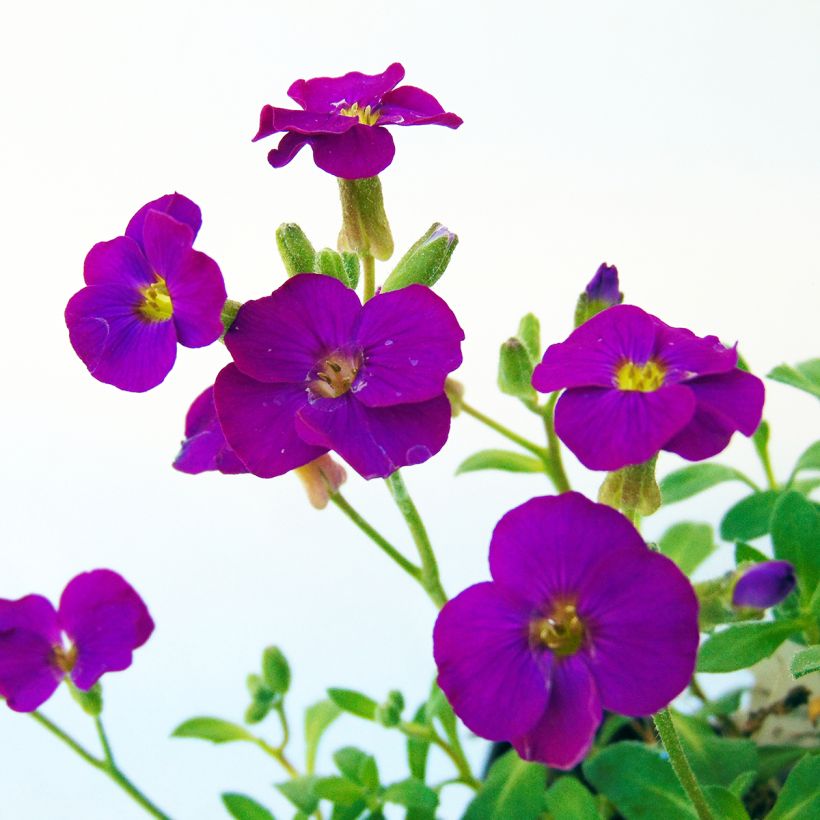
765, 584
580, 616
342, 120
100, 622
603, 287
145, 292
204, 447
637, 386
314, 370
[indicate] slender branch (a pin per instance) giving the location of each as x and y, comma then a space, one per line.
504, 431
369, 270
68, 740
556, 464
454, 751
279, 756
109, 754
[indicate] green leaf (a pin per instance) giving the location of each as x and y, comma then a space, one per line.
317, 718
726, 704
803, 376
688, 544
806, 661
742, 645
357, 766
214, 729
773, 759
418, 750
529, 331
724, 804
513, 788
799, 798
500, 460
276, 670
742, 783
413, 794
796, 536
242, 807
809, 460
568, 799
749, 518
300, 792
639, 782
354, 702
438, 708
692, 480
338, 790
745, 553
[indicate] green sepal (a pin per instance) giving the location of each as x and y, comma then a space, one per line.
228, 315
632, 489
298, 255
515, 366
425, 262
350, 263
365, 229
90, 701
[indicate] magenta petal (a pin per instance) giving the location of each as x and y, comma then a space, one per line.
167, 243
118, 262
363, 151
608, 429
258, 422
106, 620
686, 355
289, 146
643, 632
376, 441
116, 345
176, 205
198, 295
564, 734
726, 403
485, 666
551, 547
332, 93
409, 105
411, 341
274, 120
282, 337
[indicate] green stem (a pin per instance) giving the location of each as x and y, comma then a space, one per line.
453, 751
557, 472
505, 431
109, 754
429, 568
766, 461
279, 756
369, 270
680, 763
408, 566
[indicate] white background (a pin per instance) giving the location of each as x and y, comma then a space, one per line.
676, 140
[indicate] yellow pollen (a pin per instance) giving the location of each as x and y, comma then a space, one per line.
366, 115
643, 378
156, 305
562, 632
334, 376
65, 658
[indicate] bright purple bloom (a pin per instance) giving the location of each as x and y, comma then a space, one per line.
100, 622
580, 616
314, 370
204, 447
603, 288
342, 120
637, 386
145, 292
765, 584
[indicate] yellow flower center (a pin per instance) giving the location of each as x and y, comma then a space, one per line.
366, 115
65, 658
334, 375
643, 378
562, 631
156, 305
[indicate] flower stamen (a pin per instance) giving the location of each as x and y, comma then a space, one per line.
65, 657
366, 115
157, 305
334, 376
641, 378
562, 631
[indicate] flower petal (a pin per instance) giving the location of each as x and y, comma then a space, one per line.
198, 295
686, 355
257, 419
376, 441
409, 105
548, 547
118, 262
275, 120
289, 146
282, 337
176, 205
411, 341
564, 734
167, 243
485, 666
116, 345
363, 151
608, 429
332, 93
726, 403
106, 620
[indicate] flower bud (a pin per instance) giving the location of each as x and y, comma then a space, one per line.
426, 260
350, 262
365, 229
90, 701
601, 292
529, 331
515, 366
764, 585
389, 712
322, 478
455, 393
329, 262
295, 249
632, 489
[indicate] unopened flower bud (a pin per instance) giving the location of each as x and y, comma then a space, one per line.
455, 393
389, 712
350, 262
426, 260
365, 229
515, 366
322, 478
764, 585
329, 262
295, 249
529, 331
601, 293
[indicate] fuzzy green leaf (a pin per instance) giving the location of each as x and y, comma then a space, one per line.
500, 460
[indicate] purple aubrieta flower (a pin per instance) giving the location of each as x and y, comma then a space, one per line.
765, 584
100, 621
342, 120
145, 292
580, 616
315, 370
636, 386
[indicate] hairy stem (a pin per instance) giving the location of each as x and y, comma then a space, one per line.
557, 472
505, 431
369, 270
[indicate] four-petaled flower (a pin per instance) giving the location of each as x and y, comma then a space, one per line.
637, 386
314, 370
145, 292
580, 616
100, 622
342, 120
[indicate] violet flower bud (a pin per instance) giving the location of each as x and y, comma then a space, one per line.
601, 292
764, 585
